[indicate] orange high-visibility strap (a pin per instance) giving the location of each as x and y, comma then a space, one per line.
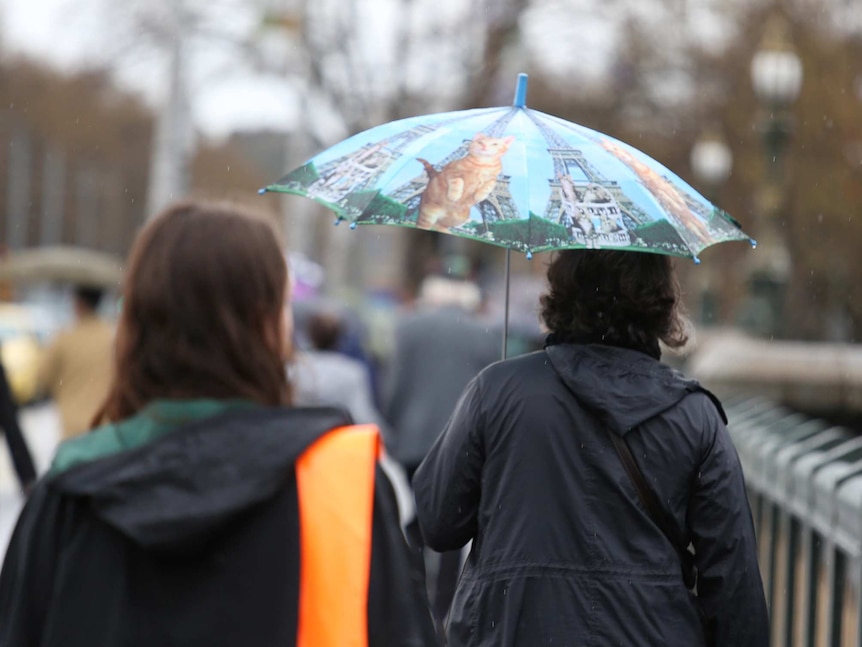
335, 480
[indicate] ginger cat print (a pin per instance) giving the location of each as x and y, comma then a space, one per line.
462, 183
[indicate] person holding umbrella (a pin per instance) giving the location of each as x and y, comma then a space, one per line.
584, 472
205, 511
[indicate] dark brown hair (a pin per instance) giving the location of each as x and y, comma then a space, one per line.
324, 330
620, 298
203, 301
89, 296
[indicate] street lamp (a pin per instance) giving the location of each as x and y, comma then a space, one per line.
776, 71
711, 162
776, 75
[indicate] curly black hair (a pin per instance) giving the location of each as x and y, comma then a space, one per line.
620, 298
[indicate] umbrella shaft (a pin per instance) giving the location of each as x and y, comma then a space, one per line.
506, 308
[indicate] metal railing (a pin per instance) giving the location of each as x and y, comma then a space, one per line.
804, 481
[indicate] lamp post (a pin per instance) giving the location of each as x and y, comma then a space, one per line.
711, 162
776, 75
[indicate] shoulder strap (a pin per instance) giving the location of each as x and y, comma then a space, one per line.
654, 509
335, 480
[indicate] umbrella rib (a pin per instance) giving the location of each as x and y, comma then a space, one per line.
525, 160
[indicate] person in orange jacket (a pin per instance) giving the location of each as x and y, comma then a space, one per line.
205, 511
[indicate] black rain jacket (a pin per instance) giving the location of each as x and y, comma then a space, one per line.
563, 551
192, 541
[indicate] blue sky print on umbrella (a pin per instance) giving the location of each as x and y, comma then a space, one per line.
512, 177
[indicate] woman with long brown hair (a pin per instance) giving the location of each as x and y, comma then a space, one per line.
202, 510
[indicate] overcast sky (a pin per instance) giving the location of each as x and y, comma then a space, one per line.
70, 34
565, 35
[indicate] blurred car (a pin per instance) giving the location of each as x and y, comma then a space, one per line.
22, 337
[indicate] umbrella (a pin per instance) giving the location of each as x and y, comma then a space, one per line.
512, 177
62, 264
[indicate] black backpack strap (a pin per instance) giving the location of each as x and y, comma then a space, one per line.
654, 509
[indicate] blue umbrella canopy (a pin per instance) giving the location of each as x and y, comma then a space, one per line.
512, 177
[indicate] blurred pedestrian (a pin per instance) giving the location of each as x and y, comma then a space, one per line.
324, 376
439, 348
76, 368
583, 472
205, 512
22, 461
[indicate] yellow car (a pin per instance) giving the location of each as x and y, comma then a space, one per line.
20, 351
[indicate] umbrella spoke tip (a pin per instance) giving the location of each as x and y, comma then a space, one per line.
696, 260
753, 243
353, 225
529, 256
262, 191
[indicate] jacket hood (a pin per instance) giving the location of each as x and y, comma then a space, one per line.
622, 387
181, 490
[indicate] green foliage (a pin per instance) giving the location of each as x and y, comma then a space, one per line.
533, 232
660, 236
544, 232
381, 209
305, 175
357, 202
660, 231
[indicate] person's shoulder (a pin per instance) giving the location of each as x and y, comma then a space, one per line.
701, 409
63, 338
88, 447
97, 327
519, 367
698, 399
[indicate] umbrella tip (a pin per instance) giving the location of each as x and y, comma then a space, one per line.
529, 255
521, 91
753, 243
338, 221
261, 191
696, 260
353, 225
